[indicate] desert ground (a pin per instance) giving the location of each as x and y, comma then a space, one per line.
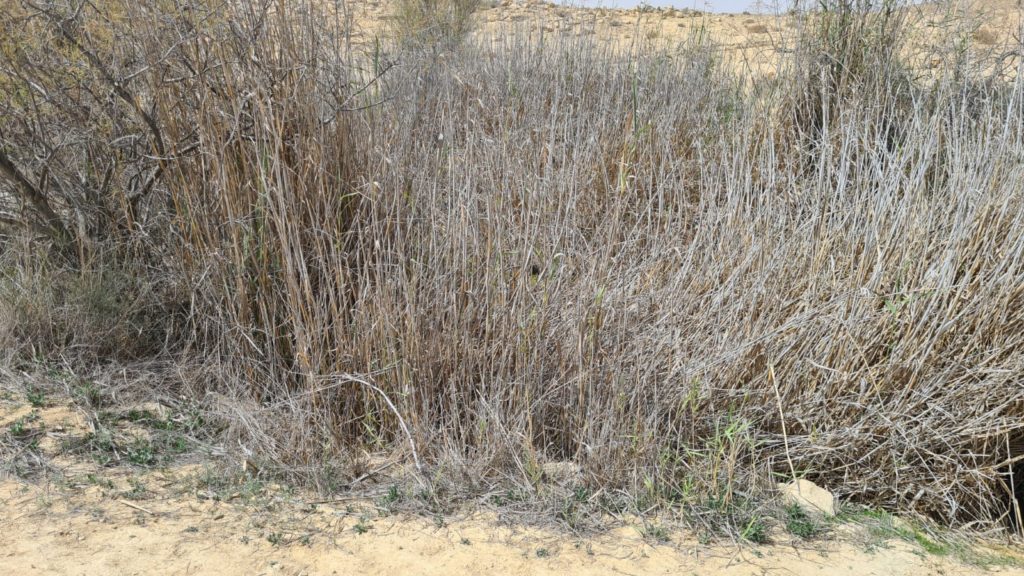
149, 503
194, 518
92, 530
751, 42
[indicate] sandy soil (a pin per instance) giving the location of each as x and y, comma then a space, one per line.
750, 41
92, 531
71, 516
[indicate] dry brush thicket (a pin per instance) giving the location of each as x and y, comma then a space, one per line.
687, 281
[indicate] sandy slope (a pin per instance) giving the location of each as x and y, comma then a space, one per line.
752, 44
753, 40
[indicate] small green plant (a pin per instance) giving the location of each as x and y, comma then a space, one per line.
929, 545
101, 445
139, 416
178, 444
142, 417
138, 490
755, 530
252, 489
884, 525
543, 553
363, 526
570, 512
89, 395
37, 398
18, 427
655, 532
510, 496
275, 538
580, 494
389, 499
798, 523
99, 481
141, 452
22, 426
191, 421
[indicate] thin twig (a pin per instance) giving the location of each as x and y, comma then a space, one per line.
137, 507
1015, 502
782, 418
401, 421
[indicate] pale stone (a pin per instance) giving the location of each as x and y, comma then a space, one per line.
561, 472
812, 498
155, 408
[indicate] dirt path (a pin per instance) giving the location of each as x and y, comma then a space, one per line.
124, 490
159, 529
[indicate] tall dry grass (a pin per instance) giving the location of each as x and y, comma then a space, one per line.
523, 251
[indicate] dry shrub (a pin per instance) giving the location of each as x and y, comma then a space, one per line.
432, 22
985, 36
106, 312
561, 252
579, 264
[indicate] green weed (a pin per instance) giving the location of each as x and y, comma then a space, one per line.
799, 524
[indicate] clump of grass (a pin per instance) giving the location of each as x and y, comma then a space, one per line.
755, 530
137, 490
432, 22
799, 524
849, 54
99, 481
362, 526
108, 313
387, 502
655, 532
928, 537
89, 395
140, 452
36, 398
22, 426
110, 444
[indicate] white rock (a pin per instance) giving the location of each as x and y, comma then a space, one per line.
561, 472
812, 498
